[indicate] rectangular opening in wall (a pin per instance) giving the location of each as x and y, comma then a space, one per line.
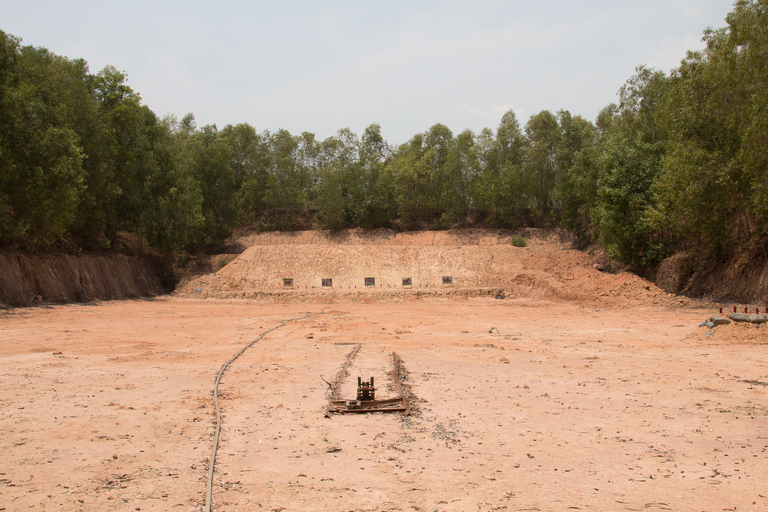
370, 281
447, 279
327, 283
287, 282
407, 281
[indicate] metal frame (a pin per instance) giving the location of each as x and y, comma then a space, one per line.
366, 393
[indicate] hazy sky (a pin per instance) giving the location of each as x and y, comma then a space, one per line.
320, 66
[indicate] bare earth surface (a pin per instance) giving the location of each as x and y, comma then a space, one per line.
545, 400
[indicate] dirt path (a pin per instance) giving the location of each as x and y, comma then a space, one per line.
521, 405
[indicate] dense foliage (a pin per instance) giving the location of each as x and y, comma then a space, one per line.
678, 163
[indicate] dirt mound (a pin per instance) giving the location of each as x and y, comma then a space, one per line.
27, 279
736, 333
450, 262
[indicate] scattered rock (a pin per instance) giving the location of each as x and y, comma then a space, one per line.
739, 317
718, 320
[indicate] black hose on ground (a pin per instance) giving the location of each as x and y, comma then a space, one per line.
209, 484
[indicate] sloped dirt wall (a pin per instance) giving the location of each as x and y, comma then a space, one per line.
739, 279
476, 260
26, 279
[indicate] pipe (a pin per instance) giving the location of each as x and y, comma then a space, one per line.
209, 484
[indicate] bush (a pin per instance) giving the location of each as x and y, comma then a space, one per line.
519, 241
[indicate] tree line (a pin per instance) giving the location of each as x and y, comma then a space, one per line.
678, 163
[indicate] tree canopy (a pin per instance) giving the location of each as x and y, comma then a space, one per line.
677, 164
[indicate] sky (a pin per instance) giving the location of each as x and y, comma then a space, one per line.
320, 66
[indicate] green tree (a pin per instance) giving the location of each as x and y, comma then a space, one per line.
439, 184
340, 191
712, 193
629, 165
41, 175
250, 163
418, 168
289, 184
208, 159
502, 191
172, 218
576, 160
126, 153
517, 186
458, 179
378, 208
543, 132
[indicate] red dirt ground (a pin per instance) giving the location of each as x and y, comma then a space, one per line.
594, 392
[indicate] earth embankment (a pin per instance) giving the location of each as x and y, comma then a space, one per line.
742, 279
26, 279
357, 265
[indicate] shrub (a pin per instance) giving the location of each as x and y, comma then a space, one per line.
518, 241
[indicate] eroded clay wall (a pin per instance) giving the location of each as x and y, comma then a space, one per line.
26, 279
